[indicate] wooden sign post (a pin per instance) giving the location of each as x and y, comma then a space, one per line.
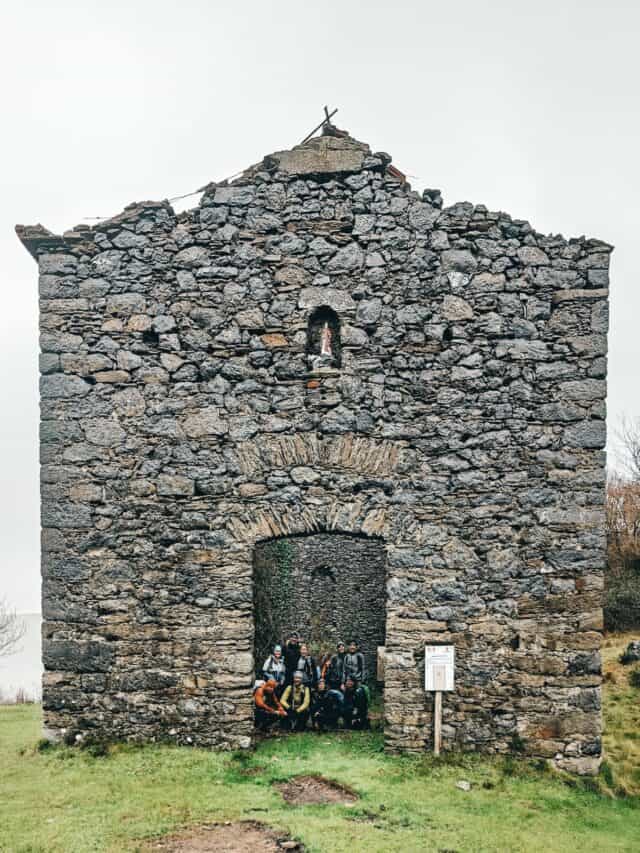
437, 723
439, 664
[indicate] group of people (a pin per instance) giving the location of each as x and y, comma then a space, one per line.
294, 689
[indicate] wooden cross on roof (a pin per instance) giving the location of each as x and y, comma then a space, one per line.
326, 120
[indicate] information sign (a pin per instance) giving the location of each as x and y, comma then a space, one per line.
439, 664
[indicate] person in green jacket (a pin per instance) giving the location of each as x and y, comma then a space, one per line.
296, 700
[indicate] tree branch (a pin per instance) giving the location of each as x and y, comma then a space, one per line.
12, 629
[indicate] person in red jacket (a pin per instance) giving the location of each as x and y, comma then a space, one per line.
268, 708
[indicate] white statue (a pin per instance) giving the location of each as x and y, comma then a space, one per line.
325, 357
325, 342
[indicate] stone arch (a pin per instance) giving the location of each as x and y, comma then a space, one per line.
272, 522
348, 452
345, 484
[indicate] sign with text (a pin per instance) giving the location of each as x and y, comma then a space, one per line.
439, 664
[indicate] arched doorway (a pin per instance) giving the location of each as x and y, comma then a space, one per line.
328, 586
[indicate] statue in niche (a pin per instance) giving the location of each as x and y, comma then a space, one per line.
323, 339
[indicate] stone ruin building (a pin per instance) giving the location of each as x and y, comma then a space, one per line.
320, 383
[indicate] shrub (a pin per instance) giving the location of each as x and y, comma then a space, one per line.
634, 677
622, 571
622, 601
96, 747
517, 743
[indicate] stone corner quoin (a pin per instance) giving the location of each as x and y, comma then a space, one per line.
182, 424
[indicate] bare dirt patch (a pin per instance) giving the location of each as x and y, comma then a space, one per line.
313, 790
240, 837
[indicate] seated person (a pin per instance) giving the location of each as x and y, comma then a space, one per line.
296, 700
267, 705
325, 707
355, 707
275, 668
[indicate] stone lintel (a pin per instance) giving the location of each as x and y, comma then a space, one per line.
322, 155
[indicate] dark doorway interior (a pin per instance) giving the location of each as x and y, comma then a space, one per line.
326, 586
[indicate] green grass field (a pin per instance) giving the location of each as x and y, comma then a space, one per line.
621, 715
64, 799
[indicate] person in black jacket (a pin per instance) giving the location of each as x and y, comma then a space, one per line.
307, 666
335, 670
325, 707
353, 664
355, 706
291, 656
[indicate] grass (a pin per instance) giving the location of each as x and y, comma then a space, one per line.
64, 799
621, 715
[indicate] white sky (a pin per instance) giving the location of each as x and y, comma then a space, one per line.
532, 110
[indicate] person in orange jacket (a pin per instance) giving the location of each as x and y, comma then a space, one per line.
268, 708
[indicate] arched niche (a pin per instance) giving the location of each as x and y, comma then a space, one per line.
323, 338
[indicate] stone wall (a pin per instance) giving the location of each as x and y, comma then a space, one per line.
326, 586
182, 424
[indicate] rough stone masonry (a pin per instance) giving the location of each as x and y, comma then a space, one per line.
464, 427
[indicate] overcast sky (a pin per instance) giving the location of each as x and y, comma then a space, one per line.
531, 109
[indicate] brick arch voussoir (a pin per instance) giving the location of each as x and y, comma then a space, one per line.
348, 452
274, 522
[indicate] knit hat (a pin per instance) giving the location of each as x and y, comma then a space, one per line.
298, 674
277, 648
